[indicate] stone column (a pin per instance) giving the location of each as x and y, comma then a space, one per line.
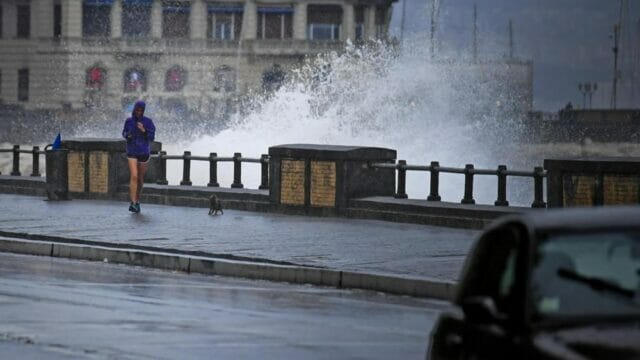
369, 22
9, 23
71, 18
198, 19
348, 23
116, 19
156, 19
300, 21
42, 18
249, 21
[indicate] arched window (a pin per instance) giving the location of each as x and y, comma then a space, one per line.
95, 78
175, 79
135, 79
224, 79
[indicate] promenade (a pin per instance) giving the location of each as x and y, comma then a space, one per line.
394, 250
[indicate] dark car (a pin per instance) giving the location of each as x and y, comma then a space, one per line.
555, 284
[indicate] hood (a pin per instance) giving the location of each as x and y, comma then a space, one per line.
616, 341
138, 104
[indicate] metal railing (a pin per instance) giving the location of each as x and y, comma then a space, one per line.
35, 152
538, 174
213, 160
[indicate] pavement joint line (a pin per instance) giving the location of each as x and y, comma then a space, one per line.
190, 263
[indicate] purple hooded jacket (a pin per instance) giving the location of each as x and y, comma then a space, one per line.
137, 141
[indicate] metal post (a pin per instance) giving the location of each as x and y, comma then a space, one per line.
213, 170
36, 161
502, 186
237, 171
402, 180
16, 161
435, 182
162, 180
186, 168
264, 163
468, 185
538, 201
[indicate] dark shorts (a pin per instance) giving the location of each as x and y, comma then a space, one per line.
140, 158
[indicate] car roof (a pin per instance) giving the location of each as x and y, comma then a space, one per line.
581, 219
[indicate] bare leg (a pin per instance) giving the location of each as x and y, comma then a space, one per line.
142, 169
133, 180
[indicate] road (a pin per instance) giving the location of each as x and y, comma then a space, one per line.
59, 309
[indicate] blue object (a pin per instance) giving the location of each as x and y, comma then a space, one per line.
98, 2
275, 10
220, 8
57, 143
137, 2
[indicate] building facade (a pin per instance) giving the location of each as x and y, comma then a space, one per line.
75, 54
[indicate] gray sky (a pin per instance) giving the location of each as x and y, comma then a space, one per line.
568, 41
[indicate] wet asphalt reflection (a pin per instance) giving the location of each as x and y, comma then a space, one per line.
58, 308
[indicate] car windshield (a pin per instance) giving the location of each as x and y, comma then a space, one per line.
583, 275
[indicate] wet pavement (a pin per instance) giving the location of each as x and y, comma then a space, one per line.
367, 246
54, 308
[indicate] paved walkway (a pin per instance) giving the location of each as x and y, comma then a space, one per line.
367, 246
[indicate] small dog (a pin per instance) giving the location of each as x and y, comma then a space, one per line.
215, 205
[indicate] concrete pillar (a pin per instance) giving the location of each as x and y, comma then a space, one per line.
348, 23
156, 19
369, 22
300, 21
116, 19
42, 18
9, 23
71, 18
198, 19
250, 21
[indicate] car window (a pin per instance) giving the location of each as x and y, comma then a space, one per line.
594, 274
491, 270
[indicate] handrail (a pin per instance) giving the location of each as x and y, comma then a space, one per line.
469, 171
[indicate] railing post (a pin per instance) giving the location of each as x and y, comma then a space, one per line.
435, 182
502, 186
186, 168
162, 179
264, 171
538, 201
468, 185
16, 161
36, 161
237, 171
402, 180
213, 170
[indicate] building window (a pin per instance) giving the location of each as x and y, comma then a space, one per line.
175, 79
23, 85
175, 20
57, 20
224, 79
324, 22
275, 22
359, 22
273, 78
96, 18
1, 21
381, 20
136, 18
24, 21
224, 21
135, 79
95, 78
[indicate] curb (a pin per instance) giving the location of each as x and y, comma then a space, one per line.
416, 287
